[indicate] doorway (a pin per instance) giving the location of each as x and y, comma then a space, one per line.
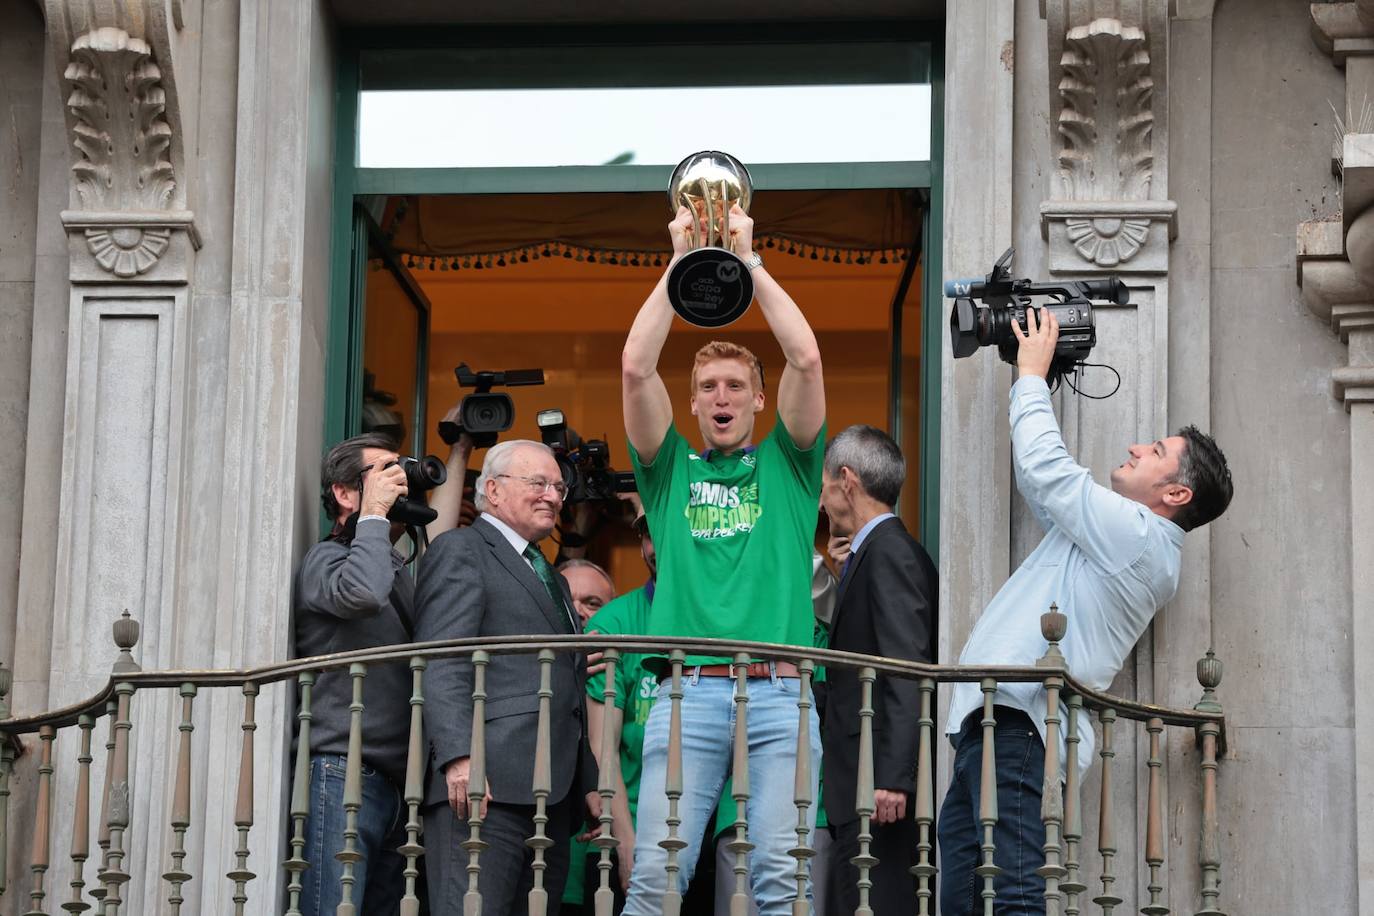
553, 281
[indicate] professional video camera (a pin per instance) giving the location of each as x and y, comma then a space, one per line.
972, 326
422, 475
484, 413
585, 463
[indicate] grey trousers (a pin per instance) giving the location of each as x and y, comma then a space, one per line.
506, 876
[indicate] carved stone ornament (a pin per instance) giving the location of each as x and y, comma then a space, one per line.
1103, 84
120, 133
1106, 119
1107, 241
127, 251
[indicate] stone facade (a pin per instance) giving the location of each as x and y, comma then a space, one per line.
164, 250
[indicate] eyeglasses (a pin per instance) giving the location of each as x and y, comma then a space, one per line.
540, 485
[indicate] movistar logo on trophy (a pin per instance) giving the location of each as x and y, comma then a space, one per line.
710, 286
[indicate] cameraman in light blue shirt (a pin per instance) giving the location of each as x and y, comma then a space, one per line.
1110, 559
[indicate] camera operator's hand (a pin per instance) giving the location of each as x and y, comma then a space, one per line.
1035, 351
741, 232
381, 488
680, 230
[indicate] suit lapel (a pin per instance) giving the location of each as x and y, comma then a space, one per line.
878, 531
519, 569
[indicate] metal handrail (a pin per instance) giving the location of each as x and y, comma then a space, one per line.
451, 648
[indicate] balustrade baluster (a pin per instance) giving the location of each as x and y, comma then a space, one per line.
801, 787
103, 835
1053, 625
243, 809
125, 631
925, 802
42, 827
864, 804
350, 856
415, 787
1209, 737
181, 803
300, 797
610, 765
672, 786
1072, 885
6, 767
987, 801
477, 782
1106, 831
543, 764
81, 826
739, 782
1154, 825
115, 876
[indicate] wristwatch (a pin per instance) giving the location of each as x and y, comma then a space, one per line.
755, 260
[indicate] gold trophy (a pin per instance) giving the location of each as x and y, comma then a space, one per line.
710, 285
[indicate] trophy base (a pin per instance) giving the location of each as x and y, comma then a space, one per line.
710, 287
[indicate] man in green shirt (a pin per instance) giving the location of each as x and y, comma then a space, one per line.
733, 528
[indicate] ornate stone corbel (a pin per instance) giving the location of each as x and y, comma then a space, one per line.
1107, 211
129, 219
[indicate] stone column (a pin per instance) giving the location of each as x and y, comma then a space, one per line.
1336, 273
1108, 210
131, 243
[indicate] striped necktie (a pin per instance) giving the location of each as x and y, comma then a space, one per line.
544, 571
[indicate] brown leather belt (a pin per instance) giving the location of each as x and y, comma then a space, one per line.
756, 669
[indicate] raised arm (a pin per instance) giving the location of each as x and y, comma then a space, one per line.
447, 498
801, 390
648, 409
1108, 527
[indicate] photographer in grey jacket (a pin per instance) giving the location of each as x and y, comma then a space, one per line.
352, 592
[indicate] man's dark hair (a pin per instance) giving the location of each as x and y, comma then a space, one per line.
343, 464
1202, 468
873, 457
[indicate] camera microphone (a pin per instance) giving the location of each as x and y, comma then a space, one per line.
968, 286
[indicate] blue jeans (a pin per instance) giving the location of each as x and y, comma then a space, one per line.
708, 721
379, 876
1019, 834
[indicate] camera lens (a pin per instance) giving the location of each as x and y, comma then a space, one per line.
966, 328
490, 412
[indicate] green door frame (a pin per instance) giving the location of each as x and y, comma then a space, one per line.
343, 399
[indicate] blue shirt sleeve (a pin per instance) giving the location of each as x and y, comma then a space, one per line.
1110, 529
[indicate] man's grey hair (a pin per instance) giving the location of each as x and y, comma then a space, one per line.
499, 457
575, 562
873, 457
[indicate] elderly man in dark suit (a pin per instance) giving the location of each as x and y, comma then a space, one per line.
491, 580
886, 606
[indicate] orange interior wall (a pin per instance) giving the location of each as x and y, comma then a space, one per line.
570, 319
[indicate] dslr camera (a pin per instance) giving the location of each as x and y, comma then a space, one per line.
586, 465
422, 475
485, 413
985, 307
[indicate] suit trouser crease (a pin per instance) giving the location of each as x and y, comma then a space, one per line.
506, 875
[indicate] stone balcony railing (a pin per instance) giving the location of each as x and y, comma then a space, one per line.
1067, 870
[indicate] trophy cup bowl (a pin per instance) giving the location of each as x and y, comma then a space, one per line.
710, 285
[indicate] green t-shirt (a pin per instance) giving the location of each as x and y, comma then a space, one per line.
636, 687
733, 534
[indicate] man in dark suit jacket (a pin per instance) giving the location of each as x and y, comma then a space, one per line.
886, 606
491, 580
